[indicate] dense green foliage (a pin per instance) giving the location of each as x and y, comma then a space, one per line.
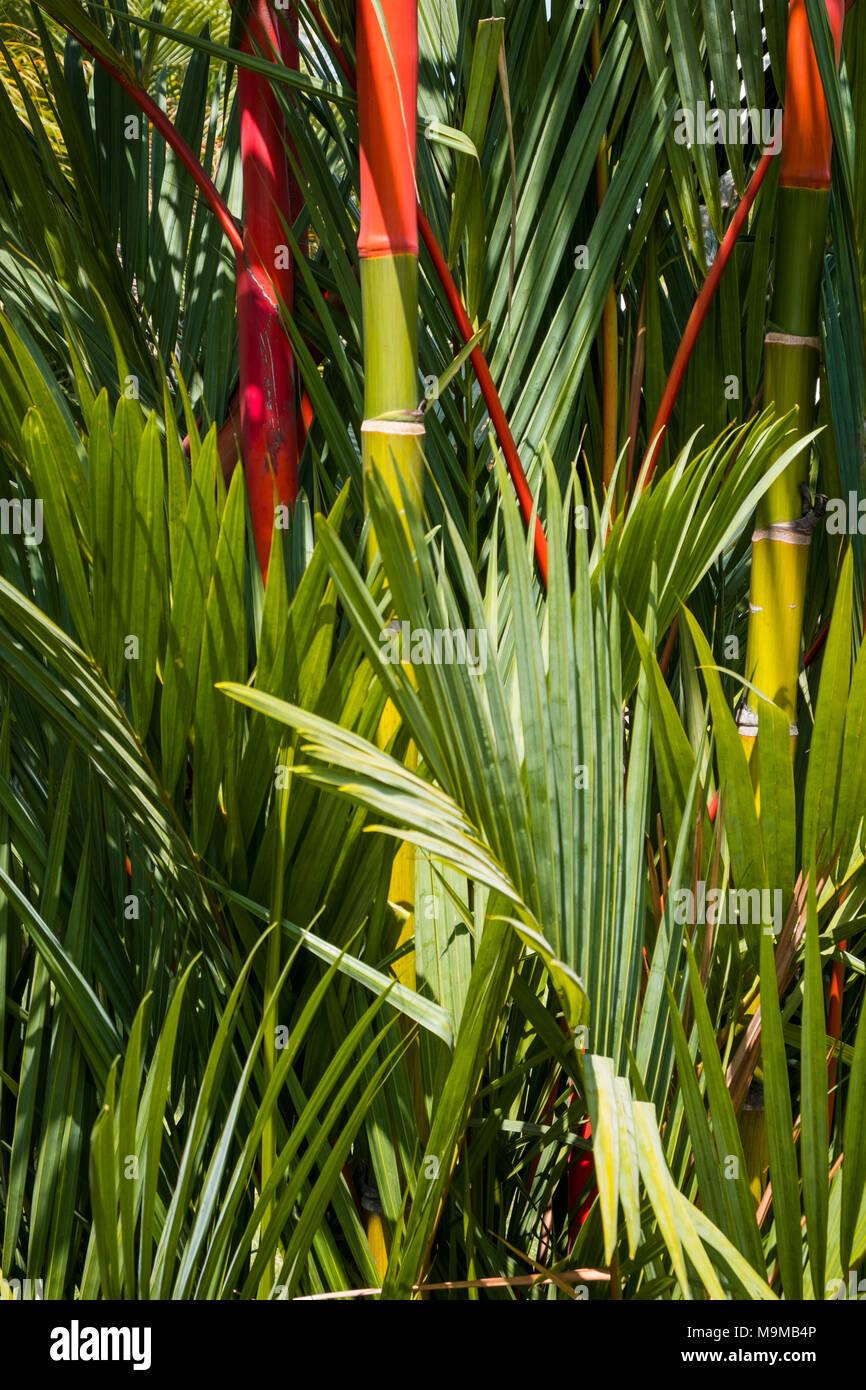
196, 821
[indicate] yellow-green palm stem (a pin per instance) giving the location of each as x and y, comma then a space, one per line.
377, 1239
392, 446
401, 890
401, 893
780, 549
393, 431
756, 1150
780, 542
779, 570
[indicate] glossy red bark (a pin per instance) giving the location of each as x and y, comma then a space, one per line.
267, 368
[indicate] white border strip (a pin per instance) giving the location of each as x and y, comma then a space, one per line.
792, 340
404, 427
788, 532
747, 722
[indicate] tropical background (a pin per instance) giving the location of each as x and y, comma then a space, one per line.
324, 973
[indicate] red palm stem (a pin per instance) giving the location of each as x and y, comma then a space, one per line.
267, 369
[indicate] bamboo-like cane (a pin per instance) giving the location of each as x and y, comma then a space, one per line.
388, 242
393, 430
780, 544
467, 332
782, 535
267, 370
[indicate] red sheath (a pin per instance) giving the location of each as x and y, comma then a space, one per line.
806, 139
386, 115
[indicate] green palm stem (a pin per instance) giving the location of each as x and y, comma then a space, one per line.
782, 535
392, 432
780, 550
780, 545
